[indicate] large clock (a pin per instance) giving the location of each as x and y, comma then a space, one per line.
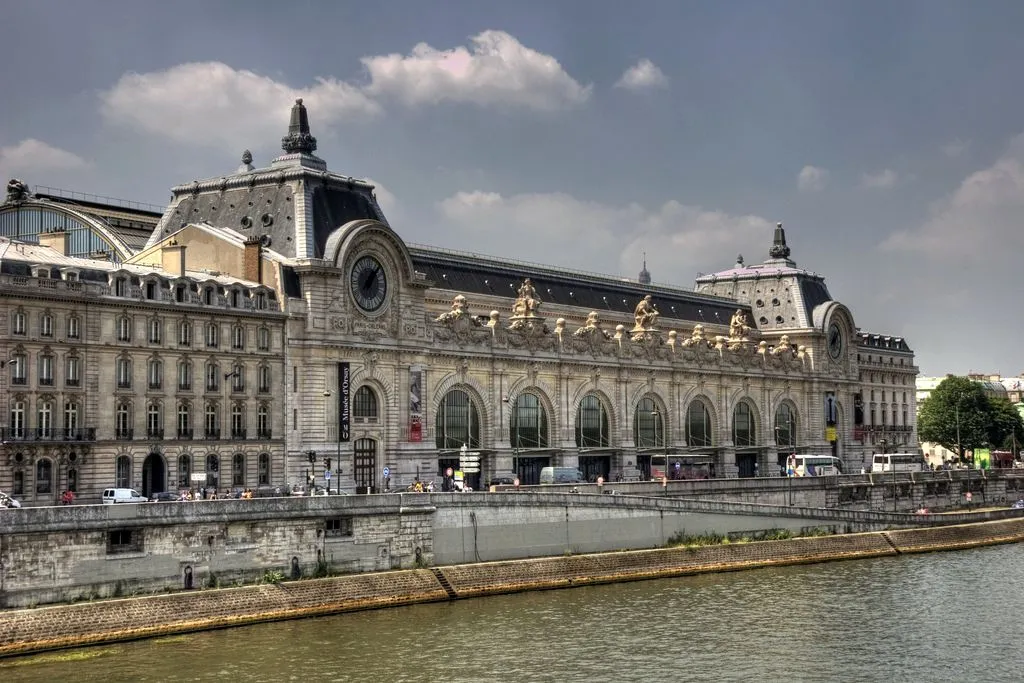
834, 339
369, 283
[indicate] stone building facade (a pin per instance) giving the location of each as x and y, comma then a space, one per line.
395, 357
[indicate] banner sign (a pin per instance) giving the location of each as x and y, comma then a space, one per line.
416, 403
344, 404
831, 409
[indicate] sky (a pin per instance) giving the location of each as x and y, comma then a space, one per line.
887, 137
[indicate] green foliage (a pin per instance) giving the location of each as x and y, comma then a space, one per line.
957, 415
777, 535
1007, 427
322, 568
212, 581
273, 576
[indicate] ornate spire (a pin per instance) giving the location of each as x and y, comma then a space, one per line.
779, 249
645, 276
298, 138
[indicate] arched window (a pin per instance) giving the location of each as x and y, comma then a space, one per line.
154, 421
123, 420
123, 472
184, 472
698, 425
71, 420
592, 423
364, 405
263, 470
19, 368
212, 471
73, 327
46, 325
263, 379
44, 419
19, 323
744, 432
73, 370
211, 421
238, 470
648, 424
44, 476
263, 339
18, 419
124, 329
458, 421
529, 427
155, 373
785, 426
156, 331
238, 378
124, 373
184, 420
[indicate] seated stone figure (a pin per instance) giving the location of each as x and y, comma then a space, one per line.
645, 314
697, 338
592, 326
460, 307
739, 328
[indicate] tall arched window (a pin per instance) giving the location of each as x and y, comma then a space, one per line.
123, 420
44, 476
156, 373
592, 423
238, 470
785, 426
154, 421
184, 420
184, 333
458, 421
744, 432
212, 471
71, 420
649, 424
44, 419
212, 376
185, 375
364, 405
237, 421
263, 469
123, 472
263, 430
699, 431
184, 471
529, 428
18, 419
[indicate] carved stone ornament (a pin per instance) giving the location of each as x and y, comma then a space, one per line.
645, 315
530, 333
527, 302
17, 190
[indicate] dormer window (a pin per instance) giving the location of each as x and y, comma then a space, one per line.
151, 290
208, 296
236, 298
179, 293
120, 286
261, 301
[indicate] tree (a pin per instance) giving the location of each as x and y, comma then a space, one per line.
957, 416
1007, 427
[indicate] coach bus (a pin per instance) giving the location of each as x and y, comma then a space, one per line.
680, 466
897, 462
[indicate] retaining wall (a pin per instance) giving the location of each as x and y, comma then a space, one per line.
34, 630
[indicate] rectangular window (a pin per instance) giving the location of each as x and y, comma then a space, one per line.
19, 365
238, 338
73, 327
338, 526
46, 371
73, 377
264, 380
124, 329
295, 419
124, 541
155, 331
46, 325
18, 326
212, 335
263, 339
295, 378
124, 373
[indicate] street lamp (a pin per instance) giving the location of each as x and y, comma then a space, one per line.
790, 460
892, 466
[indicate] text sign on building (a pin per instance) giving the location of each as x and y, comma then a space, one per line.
344, 404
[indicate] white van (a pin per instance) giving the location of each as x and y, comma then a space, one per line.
560, 475
111, 496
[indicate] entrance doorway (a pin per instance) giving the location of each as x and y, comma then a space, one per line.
154, 474
528, 469
746, 463
365, 469
594, 466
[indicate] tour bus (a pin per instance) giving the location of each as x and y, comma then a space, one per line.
806, 465
898, 462
680, 466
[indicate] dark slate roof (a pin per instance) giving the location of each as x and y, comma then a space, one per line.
882, 341
468, 274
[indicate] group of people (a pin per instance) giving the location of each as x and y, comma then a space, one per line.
211, 494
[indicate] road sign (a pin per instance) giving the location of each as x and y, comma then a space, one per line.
327, 475
387, 471
474, 469
469, 457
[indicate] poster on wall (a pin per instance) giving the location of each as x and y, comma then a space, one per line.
344, 406
416, 403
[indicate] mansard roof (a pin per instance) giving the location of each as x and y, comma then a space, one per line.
467, 273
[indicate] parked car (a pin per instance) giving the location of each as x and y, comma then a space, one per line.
111, 496
503, 479
165, 497
8, 502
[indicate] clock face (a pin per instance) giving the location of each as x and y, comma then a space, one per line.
834, 340
369, 284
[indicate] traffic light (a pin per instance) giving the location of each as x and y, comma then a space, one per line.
312, 456
327, 463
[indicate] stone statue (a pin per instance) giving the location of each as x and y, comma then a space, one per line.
739, 328
527, 303
459, 308
645, 314
697, 338
592, 326
783, 347
17, 190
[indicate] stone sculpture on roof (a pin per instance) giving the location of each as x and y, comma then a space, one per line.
527, 303
739, 327
645, 315
17, 190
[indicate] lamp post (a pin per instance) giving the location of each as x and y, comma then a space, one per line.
892, 466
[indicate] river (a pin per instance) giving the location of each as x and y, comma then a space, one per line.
954, 616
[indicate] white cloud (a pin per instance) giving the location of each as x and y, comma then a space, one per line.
642, 75
880, 180
499, 70
212, 103
31, 156
956, 148
811, 179
979, 222
558, 229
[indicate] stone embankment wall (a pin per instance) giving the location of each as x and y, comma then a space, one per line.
35, 630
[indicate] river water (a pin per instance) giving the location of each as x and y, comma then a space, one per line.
955, 616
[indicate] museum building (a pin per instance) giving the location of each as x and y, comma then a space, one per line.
384, 360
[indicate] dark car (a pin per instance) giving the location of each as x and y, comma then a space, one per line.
503, 479
165, 497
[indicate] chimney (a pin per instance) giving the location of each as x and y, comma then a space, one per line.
252, 262
174, 258
56, 239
